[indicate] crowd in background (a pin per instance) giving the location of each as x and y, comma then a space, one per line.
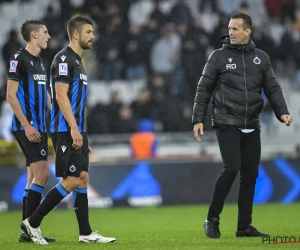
167, 48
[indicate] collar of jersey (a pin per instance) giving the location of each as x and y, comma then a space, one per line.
70, 49
29, 54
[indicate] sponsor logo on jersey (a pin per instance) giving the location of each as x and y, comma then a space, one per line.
40, 77
63, 69
13, 66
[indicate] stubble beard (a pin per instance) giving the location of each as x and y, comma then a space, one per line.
84, 45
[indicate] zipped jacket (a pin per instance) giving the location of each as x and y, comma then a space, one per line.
235, 76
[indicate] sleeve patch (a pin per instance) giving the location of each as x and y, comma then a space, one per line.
13, 66
63, 69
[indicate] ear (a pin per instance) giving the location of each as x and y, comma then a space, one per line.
76, 35
248, 32
34, 34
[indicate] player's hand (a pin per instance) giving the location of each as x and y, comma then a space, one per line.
90, 150
32, 134
77, 138
198, 130
287, 119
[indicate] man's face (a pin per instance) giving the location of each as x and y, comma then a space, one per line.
237, 33
42, 37
86, 37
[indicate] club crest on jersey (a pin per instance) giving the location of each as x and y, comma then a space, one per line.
13, 66
256, 60
43, 152
72, 169
63, 69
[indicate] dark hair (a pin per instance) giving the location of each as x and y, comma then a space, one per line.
28, 26
247, 20
76, 23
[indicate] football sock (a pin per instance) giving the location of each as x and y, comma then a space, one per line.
33, 198
24, 201
52, 199
80, 204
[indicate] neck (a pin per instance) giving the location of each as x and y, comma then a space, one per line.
76, 48
246, 42
32, 49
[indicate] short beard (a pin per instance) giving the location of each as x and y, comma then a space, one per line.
84, 45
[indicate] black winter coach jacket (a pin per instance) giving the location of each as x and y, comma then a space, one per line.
235, 75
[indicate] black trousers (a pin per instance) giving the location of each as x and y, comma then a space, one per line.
240, 152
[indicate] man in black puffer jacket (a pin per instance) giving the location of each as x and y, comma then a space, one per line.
235, 76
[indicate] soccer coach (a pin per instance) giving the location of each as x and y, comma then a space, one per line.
235, 76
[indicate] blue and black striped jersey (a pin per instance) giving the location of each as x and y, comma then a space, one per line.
67, 68
29, 71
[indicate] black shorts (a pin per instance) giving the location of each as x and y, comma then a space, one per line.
33, 152
70, 162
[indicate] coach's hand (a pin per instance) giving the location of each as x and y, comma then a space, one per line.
287, 119
198, 130
32, 134
77, 138
90, 150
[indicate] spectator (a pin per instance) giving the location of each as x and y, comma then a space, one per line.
143, 143
172, 111
149, 35
180, 13
159, 92
109, 49
185, 123
204, 3
191, 58
10, 46
143, 106
265, 42
53, 22
134, 58
97, 120
228, 7
281, 9
113, 110
165, 54
126, 122
158, 15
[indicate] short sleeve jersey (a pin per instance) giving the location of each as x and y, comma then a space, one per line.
67, 68
31, 74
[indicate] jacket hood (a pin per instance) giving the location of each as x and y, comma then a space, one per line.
225, 40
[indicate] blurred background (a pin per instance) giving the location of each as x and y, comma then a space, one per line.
143, 71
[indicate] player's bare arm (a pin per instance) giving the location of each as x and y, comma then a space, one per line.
12, 88
65, 107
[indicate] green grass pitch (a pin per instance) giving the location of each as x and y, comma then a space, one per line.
169, 227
